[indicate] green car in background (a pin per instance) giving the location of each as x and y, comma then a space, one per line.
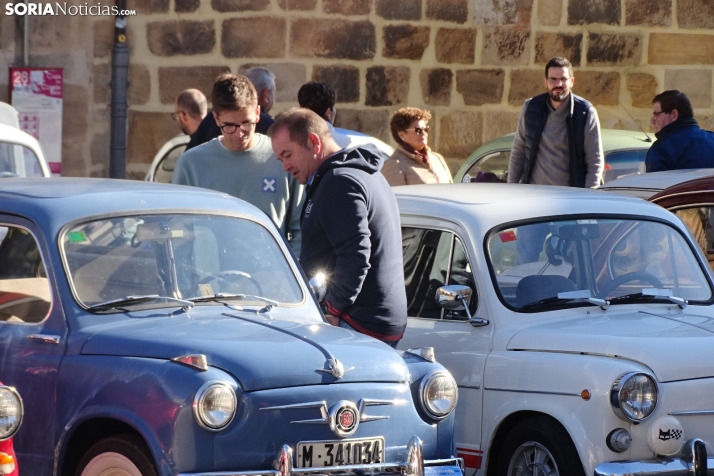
625, 153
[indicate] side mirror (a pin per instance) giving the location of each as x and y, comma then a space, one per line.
318, 285
456, 297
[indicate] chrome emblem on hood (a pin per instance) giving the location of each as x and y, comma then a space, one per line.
335, 368
344, 416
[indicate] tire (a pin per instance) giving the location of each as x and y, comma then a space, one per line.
121, 455
538, 446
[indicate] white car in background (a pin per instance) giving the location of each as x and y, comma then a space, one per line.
586, 343
20, 153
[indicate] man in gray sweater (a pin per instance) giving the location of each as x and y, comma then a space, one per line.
241, 162
558, 137
557, 142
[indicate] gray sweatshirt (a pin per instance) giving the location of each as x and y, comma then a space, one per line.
254, 175
551, 165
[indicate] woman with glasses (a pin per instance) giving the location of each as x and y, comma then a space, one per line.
413, 162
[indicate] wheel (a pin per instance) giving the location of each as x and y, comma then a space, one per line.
538, 446
122, 455
626, 278
232, 272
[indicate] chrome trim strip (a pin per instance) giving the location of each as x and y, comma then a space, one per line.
375, 469
324, 411
539, 392
322, 404
45, 338
473, 387
692, 412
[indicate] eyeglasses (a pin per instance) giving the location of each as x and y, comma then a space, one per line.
418, 130
229, 128
175, 115
558, 80
657, 113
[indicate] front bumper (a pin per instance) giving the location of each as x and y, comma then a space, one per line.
413, 466
693, 462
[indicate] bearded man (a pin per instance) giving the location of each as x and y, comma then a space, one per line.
558, 137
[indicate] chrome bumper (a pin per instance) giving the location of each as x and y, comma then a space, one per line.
694, 462
413, 466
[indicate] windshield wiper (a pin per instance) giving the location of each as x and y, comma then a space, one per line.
579, 295
133, 300
648, 294
220, 297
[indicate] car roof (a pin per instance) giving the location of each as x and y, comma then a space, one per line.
492, 204
656, 181
694, 186
18, 136
56, 201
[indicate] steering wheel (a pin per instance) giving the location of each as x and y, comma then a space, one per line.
626, 278
221, 276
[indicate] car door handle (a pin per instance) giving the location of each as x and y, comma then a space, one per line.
45, 338
478, 322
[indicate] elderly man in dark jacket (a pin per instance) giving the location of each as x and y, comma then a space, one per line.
681, 143
350, 225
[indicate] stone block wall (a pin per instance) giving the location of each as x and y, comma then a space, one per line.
472, 63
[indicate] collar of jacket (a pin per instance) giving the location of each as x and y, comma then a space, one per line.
675, 126
413, 156
548, 107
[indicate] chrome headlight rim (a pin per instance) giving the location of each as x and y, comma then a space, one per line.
198, 400
615, 396
17, 397
423, 391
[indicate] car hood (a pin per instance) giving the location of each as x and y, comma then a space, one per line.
676, 346
261, 353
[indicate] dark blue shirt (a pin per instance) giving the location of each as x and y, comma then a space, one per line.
681, 144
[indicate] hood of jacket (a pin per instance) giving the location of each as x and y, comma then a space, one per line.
365, 157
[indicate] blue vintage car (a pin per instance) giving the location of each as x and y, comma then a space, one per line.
162, 330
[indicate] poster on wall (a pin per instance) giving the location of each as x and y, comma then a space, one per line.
36, 93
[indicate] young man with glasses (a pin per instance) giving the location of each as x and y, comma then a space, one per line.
240, 162
557, 142
681, 143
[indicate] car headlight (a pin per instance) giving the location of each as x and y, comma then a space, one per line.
11, 412
634, 396
215, 405
438, 394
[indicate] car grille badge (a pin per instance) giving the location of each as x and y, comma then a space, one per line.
335, 368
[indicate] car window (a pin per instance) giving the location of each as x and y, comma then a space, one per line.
433, 258
25, 293
181, 256
700, 221
619, 163
492, 167
609, 258
165, 168
18, 161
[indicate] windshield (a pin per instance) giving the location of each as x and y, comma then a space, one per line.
607, 258
18, 161
177, 257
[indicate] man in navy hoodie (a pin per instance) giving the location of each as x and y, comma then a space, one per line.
350, 225
681, 143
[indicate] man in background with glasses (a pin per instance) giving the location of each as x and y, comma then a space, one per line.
681, 143
240, 162
189, 110
558, 140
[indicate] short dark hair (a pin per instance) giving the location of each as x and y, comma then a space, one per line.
193, 103
673, 99
559, 62
405, 116
316, 96
233, 92
300, 123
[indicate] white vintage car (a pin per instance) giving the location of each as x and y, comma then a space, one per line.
588, 345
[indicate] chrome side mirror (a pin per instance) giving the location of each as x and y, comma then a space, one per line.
456, 297
318, 285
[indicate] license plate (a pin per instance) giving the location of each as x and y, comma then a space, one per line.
316, 454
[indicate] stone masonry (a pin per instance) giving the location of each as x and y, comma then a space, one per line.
472, 63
